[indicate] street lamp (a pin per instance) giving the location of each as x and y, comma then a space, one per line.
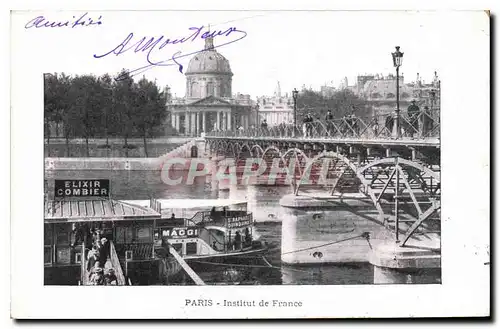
397, 59
295, 94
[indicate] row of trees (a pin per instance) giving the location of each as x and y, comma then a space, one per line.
86, 106
340, 103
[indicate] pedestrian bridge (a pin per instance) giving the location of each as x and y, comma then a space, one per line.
393, 161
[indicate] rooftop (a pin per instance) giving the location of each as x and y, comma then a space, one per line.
88, 210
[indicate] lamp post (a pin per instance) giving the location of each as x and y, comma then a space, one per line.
397, 59
295, 93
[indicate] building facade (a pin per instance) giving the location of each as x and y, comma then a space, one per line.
209, 104
275, 109
380, 91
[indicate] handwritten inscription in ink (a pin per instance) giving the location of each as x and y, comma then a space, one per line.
151, 47
76, 21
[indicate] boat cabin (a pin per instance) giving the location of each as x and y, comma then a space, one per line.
203, 227
71, 225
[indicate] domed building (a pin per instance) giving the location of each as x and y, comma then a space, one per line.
209, 104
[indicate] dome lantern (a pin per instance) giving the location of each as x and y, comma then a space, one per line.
209, 61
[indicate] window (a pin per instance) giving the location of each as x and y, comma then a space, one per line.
48, 235
143, 234
47, 255
210, 89
63, 255
62, 234
120, 235
123, 234
191, 248
195, 90
177, 247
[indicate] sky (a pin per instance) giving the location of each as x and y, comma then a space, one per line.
296, 48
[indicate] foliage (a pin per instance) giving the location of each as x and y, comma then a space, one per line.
87, 106
339, 103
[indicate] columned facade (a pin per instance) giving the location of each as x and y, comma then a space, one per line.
209, 104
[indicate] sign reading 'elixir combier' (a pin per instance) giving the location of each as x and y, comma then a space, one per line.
82, 188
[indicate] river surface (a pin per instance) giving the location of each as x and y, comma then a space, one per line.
263, 201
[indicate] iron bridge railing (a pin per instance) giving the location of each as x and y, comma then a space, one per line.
423, 125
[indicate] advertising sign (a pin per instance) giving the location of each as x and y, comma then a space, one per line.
179, 232
237, 222
81, 188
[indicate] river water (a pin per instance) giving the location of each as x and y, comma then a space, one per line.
263, 201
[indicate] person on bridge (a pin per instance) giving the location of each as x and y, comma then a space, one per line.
427, 124
375, 126
351, 119
389, 123
329, 124
413, 114
263, 125
329, 116
309, 124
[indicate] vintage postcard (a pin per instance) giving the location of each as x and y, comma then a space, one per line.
249, 164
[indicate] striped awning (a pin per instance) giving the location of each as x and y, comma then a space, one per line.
95, 210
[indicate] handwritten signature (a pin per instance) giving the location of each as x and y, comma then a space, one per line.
83, 20
151, 46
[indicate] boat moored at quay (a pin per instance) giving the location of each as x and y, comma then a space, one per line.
146, 241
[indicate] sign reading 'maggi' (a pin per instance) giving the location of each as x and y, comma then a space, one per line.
180, 232
81, 187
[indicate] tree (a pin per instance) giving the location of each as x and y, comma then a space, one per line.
150, 109
50, 104
85, 111
124, 105
56, 102
106, 103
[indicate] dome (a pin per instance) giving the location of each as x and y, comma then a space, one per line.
208, 61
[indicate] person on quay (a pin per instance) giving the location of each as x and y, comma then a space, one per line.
95, 272
97, 277
110, 278
103, 248
248, 237
237, 240
92, 258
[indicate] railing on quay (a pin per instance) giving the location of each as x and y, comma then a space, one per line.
422, 125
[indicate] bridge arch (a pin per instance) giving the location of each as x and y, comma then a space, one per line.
410, 184
257, 149
350, 166
390, 181
297, 155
